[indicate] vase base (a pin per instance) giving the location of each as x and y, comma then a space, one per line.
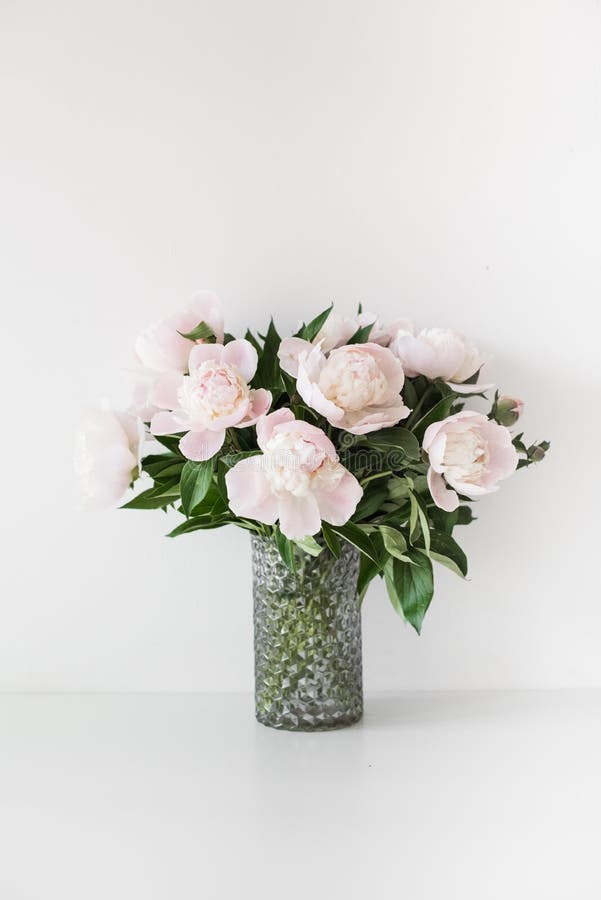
294, 723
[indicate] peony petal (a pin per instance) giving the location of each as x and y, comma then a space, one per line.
310, 366
167, 423
336, 331
201, 445
472, 490
205, 307
243, 356
459, 421
266, 425
469, 388
201, 353
374, 418
161, 348
436, 449
289, 352
443, 497
249, 493
163, 392
337, 506
299, 516
260, 401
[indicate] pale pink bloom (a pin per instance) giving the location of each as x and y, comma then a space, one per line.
335, 332
437, 353
297, 479
161, 349
215, 396
356, 388
107, 455
468, 455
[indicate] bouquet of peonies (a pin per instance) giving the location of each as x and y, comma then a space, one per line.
346, 431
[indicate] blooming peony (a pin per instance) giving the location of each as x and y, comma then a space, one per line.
436, 353
335, 332
468, 455
107, 455
357, 387
213, 397
162, 349
297, 479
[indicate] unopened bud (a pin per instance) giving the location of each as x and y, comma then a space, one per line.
537, 454
508, 410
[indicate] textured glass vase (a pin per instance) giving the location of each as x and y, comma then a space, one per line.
307, 639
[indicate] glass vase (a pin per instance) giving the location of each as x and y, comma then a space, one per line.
307, 627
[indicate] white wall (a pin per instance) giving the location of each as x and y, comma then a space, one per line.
439, 160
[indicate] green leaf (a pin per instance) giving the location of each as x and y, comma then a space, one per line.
394, 542
309, 545
355, 536
445, 549
196, 478
410, 392
418, 515
202, 332
286, 548
443, 521
154, 498
310, 331
367, 572
395, 438
465, 515
331, 540
170, 441
398, 488
410, 587
268, 374
163, 466
439, 411
371, 502
361, 336
197, 523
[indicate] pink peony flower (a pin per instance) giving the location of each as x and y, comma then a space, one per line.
436, 353
297, 479
107, 455
357, 387
468, 455
336, 332
213, 397
162, 349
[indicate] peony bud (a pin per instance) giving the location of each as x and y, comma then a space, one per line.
507, 411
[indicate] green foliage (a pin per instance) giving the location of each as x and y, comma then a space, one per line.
171, 442
196, 478
158, 497
331, 540
439, 411
202, 332
445, 549
286, 548
269, 374
358, 538
361, 336
410, 586
310, 331
394, 439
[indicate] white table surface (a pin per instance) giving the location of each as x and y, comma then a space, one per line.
136, 797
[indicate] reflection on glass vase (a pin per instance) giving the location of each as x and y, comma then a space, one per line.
307, 628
